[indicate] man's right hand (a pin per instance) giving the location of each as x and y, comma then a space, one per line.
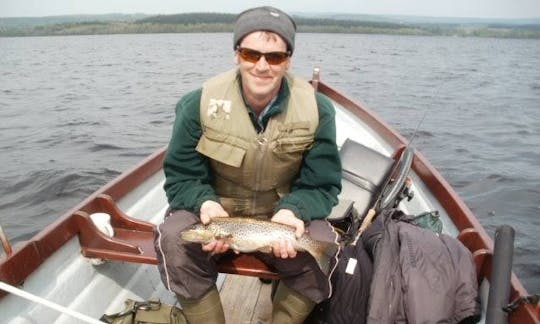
209, 210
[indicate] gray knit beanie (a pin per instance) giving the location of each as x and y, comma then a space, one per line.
265, 18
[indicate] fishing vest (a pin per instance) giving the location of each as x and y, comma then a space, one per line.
252, 171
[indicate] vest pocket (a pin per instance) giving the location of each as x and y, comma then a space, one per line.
293, 144
287, 158
220, 151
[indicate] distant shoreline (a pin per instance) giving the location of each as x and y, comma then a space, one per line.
215, 23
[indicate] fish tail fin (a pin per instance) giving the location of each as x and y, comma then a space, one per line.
324, 253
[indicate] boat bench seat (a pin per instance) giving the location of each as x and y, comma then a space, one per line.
364, 172
133, 241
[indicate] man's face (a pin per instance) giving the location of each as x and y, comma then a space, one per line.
261, 80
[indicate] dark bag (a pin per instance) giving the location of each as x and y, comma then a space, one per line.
150, 312
350, 294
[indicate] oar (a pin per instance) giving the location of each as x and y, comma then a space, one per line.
46, 303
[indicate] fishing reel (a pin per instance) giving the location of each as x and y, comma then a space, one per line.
405, 193
399, 184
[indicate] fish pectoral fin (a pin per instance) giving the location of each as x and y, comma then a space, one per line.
245, 245
265, 249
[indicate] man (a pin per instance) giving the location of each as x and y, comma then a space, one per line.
256, 142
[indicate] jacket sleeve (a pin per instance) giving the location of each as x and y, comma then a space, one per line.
314, 192
187, 172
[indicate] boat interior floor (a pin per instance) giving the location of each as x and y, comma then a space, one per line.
246, 300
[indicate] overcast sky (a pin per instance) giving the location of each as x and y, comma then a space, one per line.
437, 8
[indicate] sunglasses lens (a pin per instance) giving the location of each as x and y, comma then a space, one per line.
253, 56
250, 55
276, 57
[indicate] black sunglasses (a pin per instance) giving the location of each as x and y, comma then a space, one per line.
253, 56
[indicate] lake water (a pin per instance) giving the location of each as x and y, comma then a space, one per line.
76, 111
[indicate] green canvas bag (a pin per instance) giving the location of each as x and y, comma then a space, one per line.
429, 220
149, 312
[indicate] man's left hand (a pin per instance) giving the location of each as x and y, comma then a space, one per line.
284, 248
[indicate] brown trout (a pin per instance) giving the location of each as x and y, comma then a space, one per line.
249, 235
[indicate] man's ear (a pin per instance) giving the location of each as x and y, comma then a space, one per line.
236, 59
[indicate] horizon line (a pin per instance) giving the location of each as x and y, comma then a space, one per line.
292, 13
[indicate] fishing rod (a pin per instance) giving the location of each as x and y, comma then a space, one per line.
388, 194
36, 299
394, 183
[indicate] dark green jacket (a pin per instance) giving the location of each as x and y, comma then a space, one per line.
189, 177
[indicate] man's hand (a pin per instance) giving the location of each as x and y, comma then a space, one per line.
284, 249
209, 210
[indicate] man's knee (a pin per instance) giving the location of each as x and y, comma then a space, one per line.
168, 232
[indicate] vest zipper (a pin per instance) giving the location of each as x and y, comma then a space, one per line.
262, 143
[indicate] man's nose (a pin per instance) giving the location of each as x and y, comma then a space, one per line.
262, 64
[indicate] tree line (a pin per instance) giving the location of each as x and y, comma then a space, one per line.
222, 22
